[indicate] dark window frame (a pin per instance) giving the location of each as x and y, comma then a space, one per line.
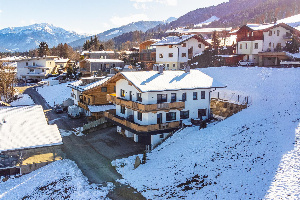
170, 55
122, 93
161, 98
195, 95
140, 116
170, 116
173, 97
184, 114
122, 110
202, 94
103, 89
139, 97
184, 96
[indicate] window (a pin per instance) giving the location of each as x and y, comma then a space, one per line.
114, 88
184, 114
270, 33
26, 63
89, 101
184, 96
33, 64
246, 45
161, 136
174, 65
161, 55
161, 98
270, 45
255, 45
122, 109
202, 94
183, 55
173, 97
199, 46
139, 97
43, 70
140, 116
171, 116
31, 70
201, 112
170, 46
195, 95
130, 95
278, 32
170, 55
241, 46
183, 44
104, 89
122, 93
168, 65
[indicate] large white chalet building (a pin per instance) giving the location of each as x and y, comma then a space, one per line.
150, 104
174, 51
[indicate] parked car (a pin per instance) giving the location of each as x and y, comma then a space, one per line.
8, 161
58, 109
246, 63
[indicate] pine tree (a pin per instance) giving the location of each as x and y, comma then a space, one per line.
215, 41
43, 49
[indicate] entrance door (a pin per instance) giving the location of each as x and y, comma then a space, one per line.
159, 118
201, 113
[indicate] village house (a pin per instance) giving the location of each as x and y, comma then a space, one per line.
99, 54
90, 95
27, 141
264, 44
90, 66
61, 65
174, 51
147, 56
35, 68
151, 104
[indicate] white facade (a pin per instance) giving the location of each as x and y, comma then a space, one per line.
250, 49
173, 55
276, 37
35, 68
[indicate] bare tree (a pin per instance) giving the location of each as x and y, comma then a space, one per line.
7, 81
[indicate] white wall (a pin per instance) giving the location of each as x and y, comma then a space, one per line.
274, 39
42, 62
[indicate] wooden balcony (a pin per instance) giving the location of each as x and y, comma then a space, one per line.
83, 105
141, 128
145, 108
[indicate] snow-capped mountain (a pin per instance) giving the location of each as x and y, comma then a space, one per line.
114, 32
29, 37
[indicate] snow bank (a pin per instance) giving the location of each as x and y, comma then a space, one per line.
55, 93
249, 155
24, 100
58, 180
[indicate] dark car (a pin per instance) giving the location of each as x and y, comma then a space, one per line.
58, 109
8, 161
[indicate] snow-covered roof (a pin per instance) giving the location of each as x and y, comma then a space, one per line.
293, 21
197, 30
173, 40
257, 27
91, 52
63, 60
101, 108
26, 127
78, 84
147, 81
104, 60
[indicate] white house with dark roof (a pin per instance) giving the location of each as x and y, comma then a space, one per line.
174, 51
149, 105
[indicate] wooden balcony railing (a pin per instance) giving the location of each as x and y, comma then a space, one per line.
145, 108
83, 105
142, 128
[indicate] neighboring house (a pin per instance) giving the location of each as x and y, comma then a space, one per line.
61, 65
147, 55
275, 39
90, 95
89, 66
26, 135
35, 68
151, 104
99, 54
264, 44
174, 51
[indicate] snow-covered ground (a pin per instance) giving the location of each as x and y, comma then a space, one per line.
58, 180
23, 100
55, 93
254, 154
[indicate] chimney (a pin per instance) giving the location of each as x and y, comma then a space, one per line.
187, 69
161, 69
155, 68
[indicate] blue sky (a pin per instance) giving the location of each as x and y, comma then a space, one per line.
93, 16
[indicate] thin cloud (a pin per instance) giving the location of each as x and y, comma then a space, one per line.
142, 4
0, 11
119, 21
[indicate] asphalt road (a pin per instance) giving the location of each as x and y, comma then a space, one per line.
90, 152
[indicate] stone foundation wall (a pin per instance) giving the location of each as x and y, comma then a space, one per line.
224, 108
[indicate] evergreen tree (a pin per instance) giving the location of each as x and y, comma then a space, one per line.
215, 41
293, 45
43, 49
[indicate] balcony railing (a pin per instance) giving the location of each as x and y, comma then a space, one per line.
83, 105
141, 128
145, 108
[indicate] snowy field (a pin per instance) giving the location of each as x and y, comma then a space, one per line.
254, 154
55, 93
58, 180
23, 100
